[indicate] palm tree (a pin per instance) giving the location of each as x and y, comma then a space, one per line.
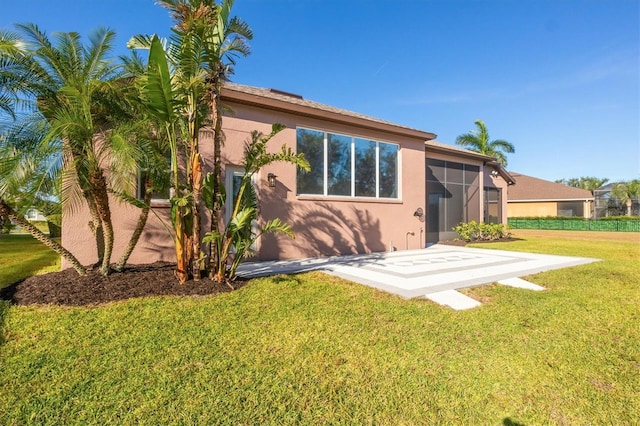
201, 53
70, 82
478, 141
29, 171
12, 52
626, 192
220, 39
229, 41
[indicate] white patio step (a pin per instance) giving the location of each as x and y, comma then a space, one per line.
453, 299
520, 283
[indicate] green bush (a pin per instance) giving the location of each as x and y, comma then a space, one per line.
625, 218
474, 231
580, 218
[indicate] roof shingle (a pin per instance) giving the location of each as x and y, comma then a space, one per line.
529, 188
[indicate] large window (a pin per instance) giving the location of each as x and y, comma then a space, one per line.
342, 165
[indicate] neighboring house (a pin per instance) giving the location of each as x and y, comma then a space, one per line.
373, 186
34, 214
537, 197
605, 205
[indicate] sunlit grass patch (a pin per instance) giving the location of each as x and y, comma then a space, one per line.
21, 256
312, 348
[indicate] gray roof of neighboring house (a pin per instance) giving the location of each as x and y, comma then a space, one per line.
529, 188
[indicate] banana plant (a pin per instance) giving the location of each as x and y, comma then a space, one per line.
234, 242
159, 94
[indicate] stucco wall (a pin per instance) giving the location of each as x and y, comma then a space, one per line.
330, 225
519, 209
498, 182
323, 225
546, 208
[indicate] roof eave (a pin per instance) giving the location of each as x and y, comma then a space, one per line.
249, 99
502, 171
459, 152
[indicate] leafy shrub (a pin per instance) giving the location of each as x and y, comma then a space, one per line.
6, 226
474, 231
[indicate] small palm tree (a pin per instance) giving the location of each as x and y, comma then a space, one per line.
30, 172
626, 192
233, 243
478, 141
73, 85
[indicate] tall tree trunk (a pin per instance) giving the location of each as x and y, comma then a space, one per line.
99, 185
6, 210
196, 181
142, 221
95, 225
181, 246
216, 110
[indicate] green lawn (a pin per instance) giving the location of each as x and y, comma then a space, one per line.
312, 349
22, 256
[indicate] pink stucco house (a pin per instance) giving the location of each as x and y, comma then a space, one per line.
374, 185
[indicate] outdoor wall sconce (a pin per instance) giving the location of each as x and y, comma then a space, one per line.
419, 213
272, 180
494, 173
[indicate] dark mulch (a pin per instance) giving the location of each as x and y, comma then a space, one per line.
68, 288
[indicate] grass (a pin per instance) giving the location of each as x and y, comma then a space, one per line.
21, 256
311, 349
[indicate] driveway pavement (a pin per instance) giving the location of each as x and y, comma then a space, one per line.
432, 272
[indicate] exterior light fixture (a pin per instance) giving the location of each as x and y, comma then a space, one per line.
272, 180
494, 173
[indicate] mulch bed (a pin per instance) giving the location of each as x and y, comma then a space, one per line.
68, 288
157, 279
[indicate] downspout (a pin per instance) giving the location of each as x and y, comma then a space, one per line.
406, 239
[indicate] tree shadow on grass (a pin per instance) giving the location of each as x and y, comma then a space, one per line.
507, 421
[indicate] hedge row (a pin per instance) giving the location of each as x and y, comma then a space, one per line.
577, 218
576, 224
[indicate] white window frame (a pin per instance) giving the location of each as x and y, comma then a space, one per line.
325, 189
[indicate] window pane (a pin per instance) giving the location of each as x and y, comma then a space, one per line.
365, 168
454, 172
435, 170
339, 159
311, 144
492, 205
471, 175
388, 170
472, 203
455, 205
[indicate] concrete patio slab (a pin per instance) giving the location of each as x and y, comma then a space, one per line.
416, 273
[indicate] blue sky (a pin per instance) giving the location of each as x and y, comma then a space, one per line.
558, 79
